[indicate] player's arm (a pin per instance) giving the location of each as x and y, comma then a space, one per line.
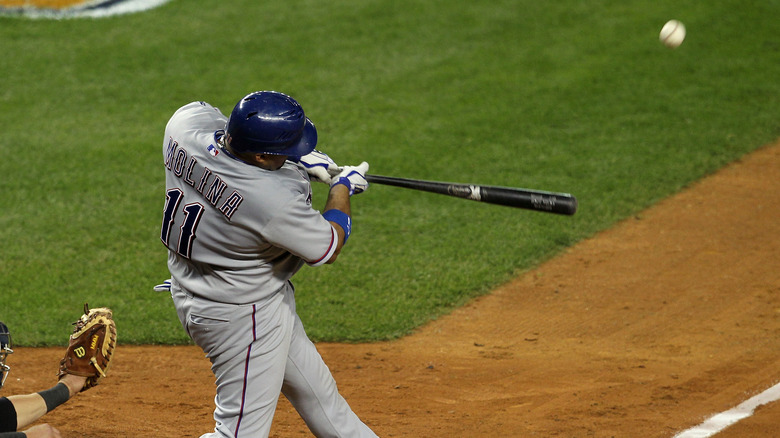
351, 181
338, 201
317, 237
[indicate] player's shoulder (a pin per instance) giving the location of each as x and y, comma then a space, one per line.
283, 187
285, 182
293, 177
198, 112
198, 106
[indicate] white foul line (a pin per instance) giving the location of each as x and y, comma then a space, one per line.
718, 422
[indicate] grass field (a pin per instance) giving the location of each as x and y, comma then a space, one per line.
567, 96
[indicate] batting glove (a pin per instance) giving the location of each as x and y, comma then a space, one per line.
319, 166
164, 287
354, 177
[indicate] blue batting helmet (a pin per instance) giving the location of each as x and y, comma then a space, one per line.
270, 122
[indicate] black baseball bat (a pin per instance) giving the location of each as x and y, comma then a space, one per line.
547, 202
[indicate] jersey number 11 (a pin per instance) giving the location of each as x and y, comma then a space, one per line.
192, 213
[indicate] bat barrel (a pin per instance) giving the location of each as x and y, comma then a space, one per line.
559, 203
549, 202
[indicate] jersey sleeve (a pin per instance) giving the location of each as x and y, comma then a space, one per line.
303, 231
7, 415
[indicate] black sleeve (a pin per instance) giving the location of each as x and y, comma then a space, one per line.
7, 417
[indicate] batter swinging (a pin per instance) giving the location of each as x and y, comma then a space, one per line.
238, 224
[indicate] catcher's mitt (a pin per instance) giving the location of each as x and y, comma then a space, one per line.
91, 346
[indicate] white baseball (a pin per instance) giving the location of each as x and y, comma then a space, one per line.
672, 34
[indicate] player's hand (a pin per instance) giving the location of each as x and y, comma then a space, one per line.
164, 287
354, 177
319, 166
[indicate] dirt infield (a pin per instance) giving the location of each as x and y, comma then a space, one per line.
641, 331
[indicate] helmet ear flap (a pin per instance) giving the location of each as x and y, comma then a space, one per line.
5, 350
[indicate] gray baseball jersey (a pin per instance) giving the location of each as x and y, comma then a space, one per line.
236, 233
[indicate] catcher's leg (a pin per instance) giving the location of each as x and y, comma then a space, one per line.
311, 389
247, 346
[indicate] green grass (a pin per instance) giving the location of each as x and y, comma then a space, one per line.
567, 96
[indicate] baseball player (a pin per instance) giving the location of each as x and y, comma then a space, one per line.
89, 351
238, 223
